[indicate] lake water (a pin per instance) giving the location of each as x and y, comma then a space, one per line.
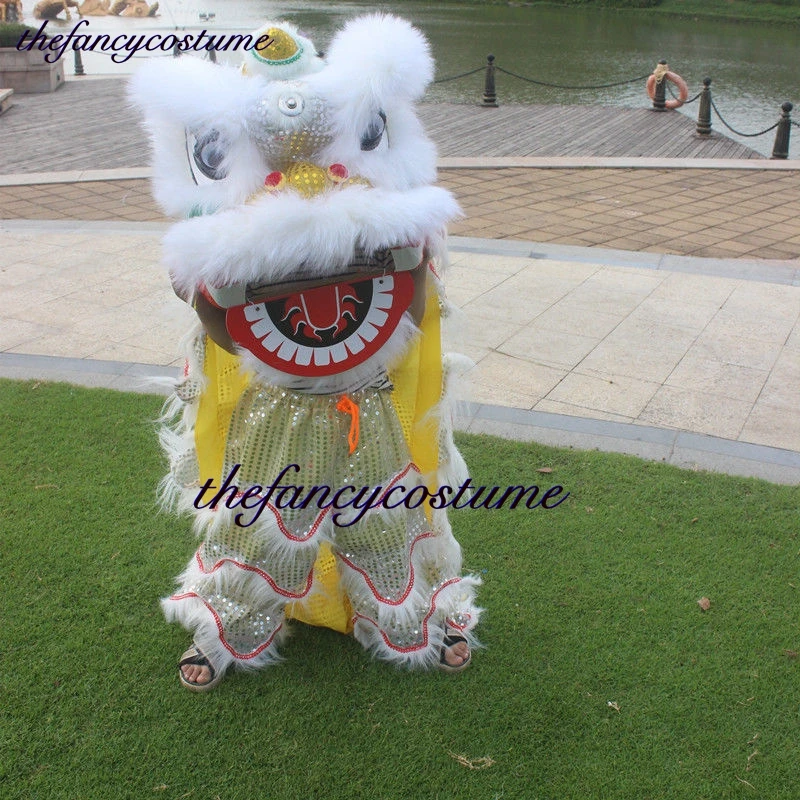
753, 66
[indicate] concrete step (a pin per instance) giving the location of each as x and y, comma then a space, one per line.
5, 99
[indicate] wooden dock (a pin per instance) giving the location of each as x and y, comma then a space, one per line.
598, 131
88, 124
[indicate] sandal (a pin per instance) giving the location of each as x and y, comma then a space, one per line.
194, 656
450, 640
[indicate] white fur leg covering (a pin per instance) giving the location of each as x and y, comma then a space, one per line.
453, 470
234, 618
403, 597
176, 435
451, 604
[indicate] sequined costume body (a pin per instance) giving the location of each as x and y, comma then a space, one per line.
398, 566
349, 181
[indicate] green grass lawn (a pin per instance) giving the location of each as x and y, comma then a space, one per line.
778, 11
601, 677
782, 11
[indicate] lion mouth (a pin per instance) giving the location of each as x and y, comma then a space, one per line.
324, 330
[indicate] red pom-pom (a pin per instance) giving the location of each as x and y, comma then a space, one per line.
338, 173
274, 180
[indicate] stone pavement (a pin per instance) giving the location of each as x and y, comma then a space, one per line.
687, 359
750, 211
653, 311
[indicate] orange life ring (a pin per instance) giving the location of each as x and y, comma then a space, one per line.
680, 83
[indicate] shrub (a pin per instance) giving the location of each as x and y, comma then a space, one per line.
612, 3
11, 33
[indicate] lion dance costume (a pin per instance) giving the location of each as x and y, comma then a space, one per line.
288, 171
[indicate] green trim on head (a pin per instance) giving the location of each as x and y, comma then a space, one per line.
279, 62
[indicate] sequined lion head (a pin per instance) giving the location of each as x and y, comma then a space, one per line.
277, 173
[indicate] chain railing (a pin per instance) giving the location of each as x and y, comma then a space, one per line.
462, 75
740, 133
782, 127
565, 86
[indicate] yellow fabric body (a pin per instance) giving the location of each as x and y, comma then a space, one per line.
417, 382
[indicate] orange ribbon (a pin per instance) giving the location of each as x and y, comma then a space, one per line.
347, 406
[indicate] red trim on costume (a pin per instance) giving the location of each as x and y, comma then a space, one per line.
221, 630
409, 586
265, 575
282, 527
456, 625
424, 625
288, 534
399, 476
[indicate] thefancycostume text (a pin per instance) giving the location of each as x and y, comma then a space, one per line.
278, 496
125, 46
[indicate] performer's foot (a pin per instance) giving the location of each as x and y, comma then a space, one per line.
455, 654
196, 672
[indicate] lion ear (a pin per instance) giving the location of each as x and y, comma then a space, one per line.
382, 56
189, 91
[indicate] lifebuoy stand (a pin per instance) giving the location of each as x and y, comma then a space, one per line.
656, 88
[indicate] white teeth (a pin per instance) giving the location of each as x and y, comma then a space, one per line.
294, 352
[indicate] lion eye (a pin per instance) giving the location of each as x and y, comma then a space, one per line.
372, 136
209, 153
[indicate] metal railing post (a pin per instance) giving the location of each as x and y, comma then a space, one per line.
660, 93
78, 62
489, 94
704, 114
781, 147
